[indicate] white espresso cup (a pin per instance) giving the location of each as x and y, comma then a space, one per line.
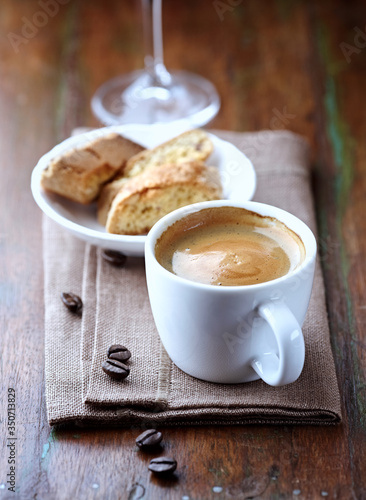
233, 334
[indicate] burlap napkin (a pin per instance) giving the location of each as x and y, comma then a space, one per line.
117, 310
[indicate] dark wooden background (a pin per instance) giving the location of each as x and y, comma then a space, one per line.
298, 65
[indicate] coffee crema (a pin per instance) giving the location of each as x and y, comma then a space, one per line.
229, 246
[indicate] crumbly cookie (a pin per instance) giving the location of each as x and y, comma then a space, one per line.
194, 145
79, 174
145, 198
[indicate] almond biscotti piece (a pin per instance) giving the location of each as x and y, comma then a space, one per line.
144, 199
194, 145
79, 174
106, 197
115, 150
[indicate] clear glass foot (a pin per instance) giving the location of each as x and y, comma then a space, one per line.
138, 97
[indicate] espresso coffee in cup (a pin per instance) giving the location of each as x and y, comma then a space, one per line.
229, 246
250, 326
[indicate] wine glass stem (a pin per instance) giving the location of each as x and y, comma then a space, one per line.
153, 34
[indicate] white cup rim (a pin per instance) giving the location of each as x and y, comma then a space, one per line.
290, 220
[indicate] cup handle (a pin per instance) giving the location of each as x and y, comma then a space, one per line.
287, 366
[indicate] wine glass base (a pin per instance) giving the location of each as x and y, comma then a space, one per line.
136, 98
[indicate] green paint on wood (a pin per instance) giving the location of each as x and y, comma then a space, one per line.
343, 147
339, 135
342, 144
47, 447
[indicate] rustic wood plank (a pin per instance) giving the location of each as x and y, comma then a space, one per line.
341, 178
28, 92
276, 65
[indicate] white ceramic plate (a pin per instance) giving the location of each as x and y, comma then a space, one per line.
237, 174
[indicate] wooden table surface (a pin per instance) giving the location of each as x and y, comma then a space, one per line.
296, 65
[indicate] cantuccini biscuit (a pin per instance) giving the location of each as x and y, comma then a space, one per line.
106, 197
145, 198
194, 145
79, 174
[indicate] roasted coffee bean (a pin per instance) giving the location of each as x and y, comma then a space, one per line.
115, 258
118, 352
162, 465
115, 369
149, 439
72, 302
